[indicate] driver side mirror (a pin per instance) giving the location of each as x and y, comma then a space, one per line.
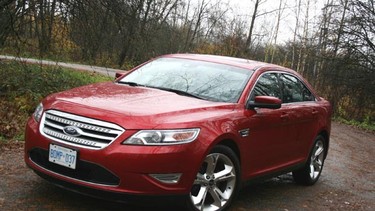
265, 102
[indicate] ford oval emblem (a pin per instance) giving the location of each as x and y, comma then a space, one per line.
72, 131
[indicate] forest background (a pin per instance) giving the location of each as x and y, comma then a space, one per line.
333, 47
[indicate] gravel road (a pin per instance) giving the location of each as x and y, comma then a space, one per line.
347, 183
110, 72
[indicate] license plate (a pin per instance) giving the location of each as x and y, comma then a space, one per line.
62, 156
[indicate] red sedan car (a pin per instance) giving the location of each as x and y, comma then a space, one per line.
184, 125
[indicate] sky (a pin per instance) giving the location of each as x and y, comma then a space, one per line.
266, 23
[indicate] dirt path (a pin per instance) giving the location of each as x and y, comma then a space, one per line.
347, 183
110, 72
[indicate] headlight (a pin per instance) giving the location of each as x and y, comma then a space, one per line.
163, 137
38, 112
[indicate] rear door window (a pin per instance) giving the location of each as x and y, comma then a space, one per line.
294, 90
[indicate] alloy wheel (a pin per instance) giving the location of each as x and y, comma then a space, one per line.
214, 184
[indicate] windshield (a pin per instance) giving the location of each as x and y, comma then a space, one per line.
204, 80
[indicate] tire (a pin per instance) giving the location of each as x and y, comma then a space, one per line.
310, 173
217, 181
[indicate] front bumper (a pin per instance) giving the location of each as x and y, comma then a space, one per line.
115, 196
117, 169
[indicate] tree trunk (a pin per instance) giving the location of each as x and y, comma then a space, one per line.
340, 31
276, 31
295, 34
250, 35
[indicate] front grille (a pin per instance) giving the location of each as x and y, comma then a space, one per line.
85, 171
87, 132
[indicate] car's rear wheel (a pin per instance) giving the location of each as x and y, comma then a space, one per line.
310, 173
217, 181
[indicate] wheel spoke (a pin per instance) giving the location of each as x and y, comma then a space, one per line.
216, 197
200, 198
199, 180
312, 170
315, 168
223, 195
312, 159
319, 151
228, 177
225, 174
211, 164
317, 164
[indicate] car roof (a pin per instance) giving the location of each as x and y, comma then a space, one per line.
239, 62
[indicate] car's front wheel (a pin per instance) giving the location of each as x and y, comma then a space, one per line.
217, 181
310, 173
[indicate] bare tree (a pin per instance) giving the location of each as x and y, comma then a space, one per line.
322, 39
198, 17
302, 52
295, 34
44, 16
272, 46
12, 20
252, 23
341, 26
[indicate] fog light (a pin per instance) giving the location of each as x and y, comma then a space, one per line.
167, 178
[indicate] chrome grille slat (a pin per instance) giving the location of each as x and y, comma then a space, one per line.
46, 122
53, 125
80, 125
80, 141
97, 136
93, 134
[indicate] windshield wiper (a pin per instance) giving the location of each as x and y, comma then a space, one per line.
130, 83
179, 92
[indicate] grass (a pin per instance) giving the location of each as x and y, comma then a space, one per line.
23, 86
366, 125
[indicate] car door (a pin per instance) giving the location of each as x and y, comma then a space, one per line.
270, 137
302, 110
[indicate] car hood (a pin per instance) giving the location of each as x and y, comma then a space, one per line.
135, 107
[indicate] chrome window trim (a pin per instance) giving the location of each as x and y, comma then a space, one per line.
279, 72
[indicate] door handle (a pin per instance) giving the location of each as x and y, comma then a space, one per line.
284, 116
315, 112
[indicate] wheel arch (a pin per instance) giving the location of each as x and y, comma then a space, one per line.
232, 145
